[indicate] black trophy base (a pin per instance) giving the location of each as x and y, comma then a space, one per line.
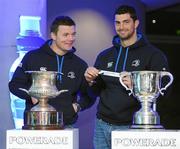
40, 127
146, 126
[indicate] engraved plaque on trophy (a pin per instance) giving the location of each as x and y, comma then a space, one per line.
43, 116
146, 87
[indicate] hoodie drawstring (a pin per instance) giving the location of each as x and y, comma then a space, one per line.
118, 58
117, 61
59, 65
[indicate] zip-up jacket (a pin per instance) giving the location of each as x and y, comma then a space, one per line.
115, 105
73, 80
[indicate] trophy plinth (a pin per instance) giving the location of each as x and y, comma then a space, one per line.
43, 116
146, 118
146, 87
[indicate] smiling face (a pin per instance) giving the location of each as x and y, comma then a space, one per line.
63, 39
125, 26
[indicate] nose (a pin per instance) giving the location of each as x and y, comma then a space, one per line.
72, 37
121, 26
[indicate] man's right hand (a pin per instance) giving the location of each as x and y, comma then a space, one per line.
91, 74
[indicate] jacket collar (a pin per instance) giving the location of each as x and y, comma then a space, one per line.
46, 48
139, 43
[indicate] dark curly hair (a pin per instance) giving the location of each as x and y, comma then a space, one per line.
126, 9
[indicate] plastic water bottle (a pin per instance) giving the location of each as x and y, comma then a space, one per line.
28, 39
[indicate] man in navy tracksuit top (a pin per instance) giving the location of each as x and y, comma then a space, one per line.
130, 52
58, 55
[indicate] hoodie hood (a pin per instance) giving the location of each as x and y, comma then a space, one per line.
49, 51
59, 58
139, 43
122, 55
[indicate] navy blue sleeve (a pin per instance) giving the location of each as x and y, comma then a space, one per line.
158, 62
98, 85
86, 99
21, 79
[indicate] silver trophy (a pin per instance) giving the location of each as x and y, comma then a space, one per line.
43, 116
146, 87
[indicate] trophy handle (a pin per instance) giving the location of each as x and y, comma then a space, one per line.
165, 73
123, 74
60, 92
22, 89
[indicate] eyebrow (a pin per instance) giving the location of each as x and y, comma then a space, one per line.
69, 33
122, 20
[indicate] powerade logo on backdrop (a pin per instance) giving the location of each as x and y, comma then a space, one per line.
21, 140
144, 142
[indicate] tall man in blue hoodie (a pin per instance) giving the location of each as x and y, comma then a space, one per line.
57, 54
130, 52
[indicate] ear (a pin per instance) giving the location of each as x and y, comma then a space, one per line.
53, 36
136, 23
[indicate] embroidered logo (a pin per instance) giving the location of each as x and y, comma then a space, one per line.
109, 65
135, 63
71, 75
43, 69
